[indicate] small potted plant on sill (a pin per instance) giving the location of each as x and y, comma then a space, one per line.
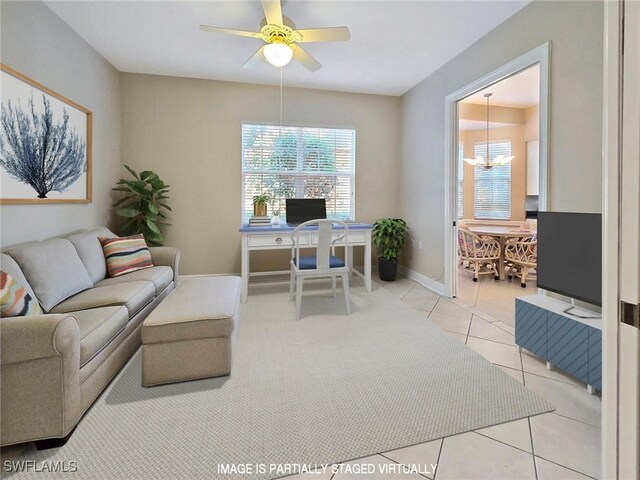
260, 204
389, 236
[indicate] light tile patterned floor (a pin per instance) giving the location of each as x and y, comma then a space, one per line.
560, 445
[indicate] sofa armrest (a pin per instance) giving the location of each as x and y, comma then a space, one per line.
167, 256
40, 377
38, 336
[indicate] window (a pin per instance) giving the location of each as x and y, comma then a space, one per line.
299, 162
460, 180
492, 196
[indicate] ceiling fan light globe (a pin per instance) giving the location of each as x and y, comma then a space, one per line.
278, 54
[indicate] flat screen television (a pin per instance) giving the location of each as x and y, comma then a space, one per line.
300, 210
570, 255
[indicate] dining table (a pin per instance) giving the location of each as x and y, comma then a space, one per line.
501, 233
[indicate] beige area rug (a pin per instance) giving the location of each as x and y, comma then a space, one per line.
329, 388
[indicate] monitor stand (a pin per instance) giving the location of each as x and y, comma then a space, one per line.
568, 311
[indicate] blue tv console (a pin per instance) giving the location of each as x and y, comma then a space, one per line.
566, 342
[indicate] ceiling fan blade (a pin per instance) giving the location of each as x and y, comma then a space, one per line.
256, 59
305, 59
330, 34
272, 11
229, 31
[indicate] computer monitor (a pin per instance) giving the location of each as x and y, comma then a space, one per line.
300, 210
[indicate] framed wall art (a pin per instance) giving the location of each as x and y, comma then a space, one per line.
45, 144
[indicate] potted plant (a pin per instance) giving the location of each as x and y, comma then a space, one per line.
260, 204
142, 206
389, 235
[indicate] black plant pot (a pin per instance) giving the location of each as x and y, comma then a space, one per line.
387, 269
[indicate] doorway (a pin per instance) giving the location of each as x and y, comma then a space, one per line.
497, 115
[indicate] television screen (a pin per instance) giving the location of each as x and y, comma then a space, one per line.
300, 210
570, 255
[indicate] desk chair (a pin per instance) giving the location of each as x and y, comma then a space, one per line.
323, 264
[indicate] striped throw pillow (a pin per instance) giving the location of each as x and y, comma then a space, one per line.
125, 254
14, 299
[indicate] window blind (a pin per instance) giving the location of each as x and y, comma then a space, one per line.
299, 162
460, 180
492, 195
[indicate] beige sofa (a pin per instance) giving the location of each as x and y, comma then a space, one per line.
54, 365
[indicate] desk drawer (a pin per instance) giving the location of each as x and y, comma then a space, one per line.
274, 240
354, 237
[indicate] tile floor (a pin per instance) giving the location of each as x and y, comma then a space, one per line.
561, 445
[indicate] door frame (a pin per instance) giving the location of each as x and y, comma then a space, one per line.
539, 55
620, 342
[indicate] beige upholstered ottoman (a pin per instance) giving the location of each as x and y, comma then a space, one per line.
190, 335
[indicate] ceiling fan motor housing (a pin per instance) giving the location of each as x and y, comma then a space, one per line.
285, 33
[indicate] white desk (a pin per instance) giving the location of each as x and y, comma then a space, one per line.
278, 237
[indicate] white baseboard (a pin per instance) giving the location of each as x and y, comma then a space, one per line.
423, 280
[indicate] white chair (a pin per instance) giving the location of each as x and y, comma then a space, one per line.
521, 258
324, 263
478, 254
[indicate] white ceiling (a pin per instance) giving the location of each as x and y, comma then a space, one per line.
518, 91
393, 46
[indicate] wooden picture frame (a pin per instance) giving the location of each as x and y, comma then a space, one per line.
61, 181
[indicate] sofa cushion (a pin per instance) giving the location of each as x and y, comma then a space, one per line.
133, 295
53, 269
90, 251
9, 265
15, 300
126, 254
159, 276
98, 327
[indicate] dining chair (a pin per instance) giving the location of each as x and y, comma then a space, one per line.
521, 258
478, 254
324, 263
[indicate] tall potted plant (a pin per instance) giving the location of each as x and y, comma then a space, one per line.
142, 206
389, 236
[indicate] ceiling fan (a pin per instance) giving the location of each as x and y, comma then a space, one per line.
282, 39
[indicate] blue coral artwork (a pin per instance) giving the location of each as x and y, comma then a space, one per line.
45, 144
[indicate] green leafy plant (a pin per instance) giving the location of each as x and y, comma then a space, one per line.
389, 236
142, 206
262, 199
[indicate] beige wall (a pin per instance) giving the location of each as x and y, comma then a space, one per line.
532, 123
35, 42
575, 30
189, 132
518, 166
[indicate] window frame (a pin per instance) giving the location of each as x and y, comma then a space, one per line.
302, 174
494, 141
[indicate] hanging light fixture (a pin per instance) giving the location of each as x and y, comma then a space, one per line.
488, 163
278, 54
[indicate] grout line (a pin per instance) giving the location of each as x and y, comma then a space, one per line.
500, 441
468, 330
410, 290
435, 473
564, 466
533, 448
582, 387
579, 421
494, 341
